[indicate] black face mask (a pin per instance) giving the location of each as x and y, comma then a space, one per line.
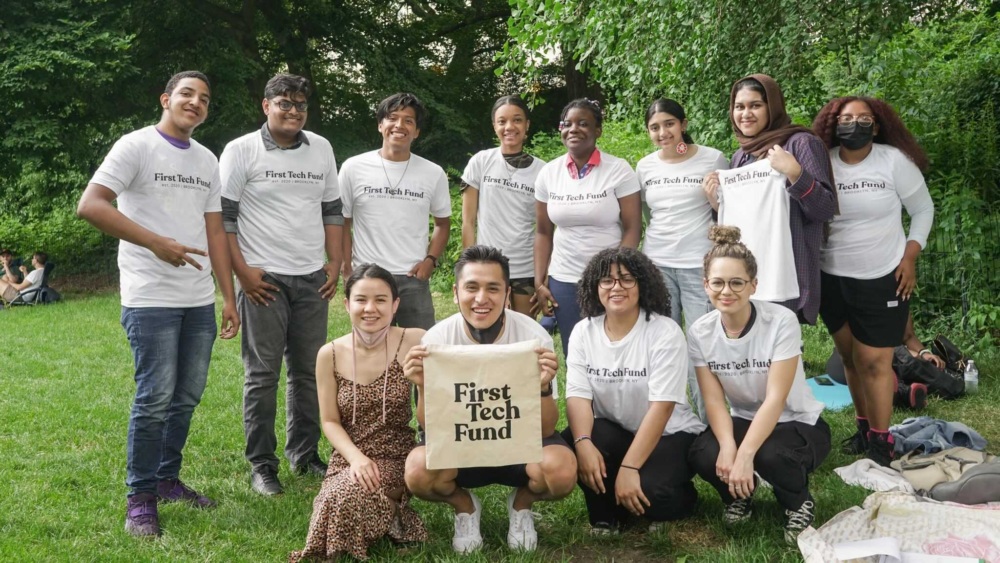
489, 334
855, 136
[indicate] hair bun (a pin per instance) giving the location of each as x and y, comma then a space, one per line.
724, 234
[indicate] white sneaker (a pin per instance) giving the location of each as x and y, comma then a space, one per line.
521, 534
467, 537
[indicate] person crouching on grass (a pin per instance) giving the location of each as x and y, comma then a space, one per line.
482, 290
749, 353
626, 396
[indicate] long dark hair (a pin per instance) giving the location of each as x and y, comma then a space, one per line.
371, 271
667, 105
653, 294
891, 130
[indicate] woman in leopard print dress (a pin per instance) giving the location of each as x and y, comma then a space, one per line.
365, 411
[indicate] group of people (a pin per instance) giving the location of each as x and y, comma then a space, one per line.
799, 222
15, 279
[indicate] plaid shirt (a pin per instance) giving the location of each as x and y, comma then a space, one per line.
814, 204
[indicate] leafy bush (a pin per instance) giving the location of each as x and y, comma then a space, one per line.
70, 242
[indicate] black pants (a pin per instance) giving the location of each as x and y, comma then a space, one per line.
785, 459
665, 478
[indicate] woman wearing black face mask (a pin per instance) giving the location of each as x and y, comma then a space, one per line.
868, 264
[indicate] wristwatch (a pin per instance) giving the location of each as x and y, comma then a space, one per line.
434, 260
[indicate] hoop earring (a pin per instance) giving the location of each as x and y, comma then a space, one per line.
681, 147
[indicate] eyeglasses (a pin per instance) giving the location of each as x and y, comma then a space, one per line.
285, 105
627, 282
847, 119
737, 285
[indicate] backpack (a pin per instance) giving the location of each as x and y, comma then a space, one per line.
954, 359
942, 383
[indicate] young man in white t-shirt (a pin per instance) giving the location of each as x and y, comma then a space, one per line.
388, 194
169, 221
10, 290
282, 212
482, 291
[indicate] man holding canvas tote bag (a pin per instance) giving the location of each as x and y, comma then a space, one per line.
482, 291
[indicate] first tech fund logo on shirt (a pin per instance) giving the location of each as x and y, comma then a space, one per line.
386, 192
182, 181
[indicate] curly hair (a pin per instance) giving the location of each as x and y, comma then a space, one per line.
653, 294
891, 130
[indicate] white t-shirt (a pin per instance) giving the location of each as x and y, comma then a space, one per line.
390, 214
585, 211
742, 364
506, 218
867, 239
622, 378
168, 191
34, 278
680, 214
754, 199
517, 328
281, 194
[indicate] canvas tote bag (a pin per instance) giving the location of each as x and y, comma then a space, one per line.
482, 405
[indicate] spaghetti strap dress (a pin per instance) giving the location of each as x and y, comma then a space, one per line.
346, 518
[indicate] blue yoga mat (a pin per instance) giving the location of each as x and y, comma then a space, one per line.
835, 397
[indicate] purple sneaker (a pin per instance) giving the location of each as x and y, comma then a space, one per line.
141, 518
174, 490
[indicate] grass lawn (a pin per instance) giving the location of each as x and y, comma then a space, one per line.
67, 382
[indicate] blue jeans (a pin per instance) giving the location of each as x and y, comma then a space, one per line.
171, 348
687, 295
568, 312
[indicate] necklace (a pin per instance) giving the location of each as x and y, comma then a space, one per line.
509, 169
731, 333
386, 172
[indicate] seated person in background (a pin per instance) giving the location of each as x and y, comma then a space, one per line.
916, 348
482, 291
10, 290
10, 267
626, 396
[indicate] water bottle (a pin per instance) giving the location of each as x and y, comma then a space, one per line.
971, 377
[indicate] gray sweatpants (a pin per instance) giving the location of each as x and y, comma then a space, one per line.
293, 326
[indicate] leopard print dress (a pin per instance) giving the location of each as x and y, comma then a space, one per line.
347, 519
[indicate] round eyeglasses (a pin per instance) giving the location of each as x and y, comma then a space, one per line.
737, 285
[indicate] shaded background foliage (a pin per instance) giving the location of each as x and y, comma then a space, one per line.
77, 74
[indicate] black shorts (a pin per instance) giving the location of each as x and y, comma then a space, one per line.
509, 475
522, 286
871, 308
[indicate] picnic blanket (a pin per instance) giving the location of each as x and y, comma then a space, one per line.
919, 524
